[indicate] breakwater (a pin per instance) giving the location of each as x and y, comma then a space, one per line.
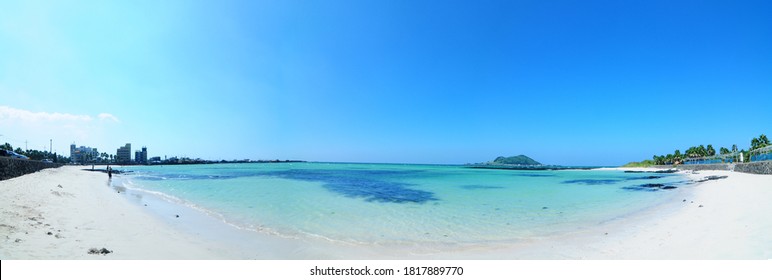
11, 167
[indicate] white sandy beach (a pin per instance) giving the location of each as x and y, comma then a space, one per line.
721, 219
84, 213
734, 222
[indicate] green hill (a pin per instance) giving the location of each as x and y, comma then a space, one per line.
516, 160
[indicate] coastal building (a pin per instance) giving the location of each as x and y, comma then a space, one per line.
123, 155
141, 156
144, 155
82, 154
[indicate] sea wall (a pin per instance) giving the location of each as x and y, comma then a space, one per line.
11, 167
761, 167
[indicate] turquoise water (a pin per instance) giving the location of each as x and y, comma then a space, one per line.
388, 203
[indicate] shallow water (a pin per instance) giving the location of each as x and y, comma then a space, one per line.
389, 203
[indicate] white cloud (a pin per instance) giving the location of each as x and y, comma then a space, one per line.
13, 114
106, 116
20, 127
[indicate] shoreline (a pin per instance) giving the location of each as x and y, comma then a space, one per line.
63, 213
715, 219
87, 212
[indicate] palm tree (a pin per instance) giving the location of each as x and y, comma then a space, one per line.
734, 148
658, 160
711, 151
677, 156
754, 143
763, 141
693, 152
723, 150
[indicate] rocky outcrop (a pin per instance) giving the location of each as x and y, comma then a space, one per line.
11, 167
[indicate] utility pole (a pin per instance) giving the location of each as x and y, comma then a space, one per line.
50, 145
25, 145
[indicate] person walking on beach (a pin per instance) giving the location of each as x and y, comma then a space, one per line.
109, 172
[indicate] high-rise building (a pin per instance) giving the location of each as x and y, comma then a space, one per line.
123, 155
72, 152
141, 156
83, 154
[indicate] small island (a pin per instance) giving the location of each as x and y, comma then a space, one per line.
515, 160
520, 162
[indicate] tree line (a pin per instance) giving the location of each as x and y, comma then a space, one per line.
702, 151
36, 154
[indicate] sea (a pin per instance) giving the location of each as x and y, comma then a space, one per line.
384, 204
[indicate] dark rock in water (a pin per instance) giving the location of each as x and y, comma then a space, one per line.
645, 178
711, 178
49, 233
658, 171
684, 200
700, 205
545, 207
95, 251
114, 171
639, 188
176, 216
667, 171
370, 185
650, 187
591, 181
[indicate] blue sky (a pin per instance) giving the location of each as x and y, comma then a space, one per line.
565, 82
